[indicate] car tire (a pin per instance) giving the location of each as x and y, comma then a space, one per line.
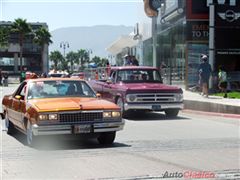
9, 126
119, 102
30, 138
106, 138
171, 112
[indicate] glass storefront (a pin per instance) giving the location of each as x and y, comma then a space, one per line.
171, 51
147, 53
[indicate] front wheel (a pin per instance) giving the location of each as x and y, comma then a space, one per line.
171, 112
9, 126
106, 138
30, 136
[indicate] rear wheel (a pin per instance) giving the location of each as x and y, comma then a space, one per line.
9, 126
106, 138
171, 112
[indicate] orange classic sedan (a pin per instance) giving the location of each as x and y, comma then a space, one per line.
60, 106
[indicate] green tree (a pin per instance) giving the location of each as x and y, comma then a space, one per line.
72, 58
83, 56
4, 36
57, 58
100, 62
104, 62
96, 60
42, 37
22, 28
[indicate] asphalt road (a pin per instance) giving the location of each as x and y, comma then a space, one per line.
150, 147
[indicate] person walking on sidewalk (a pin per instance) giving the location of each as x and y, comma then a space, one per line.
222, 77
0, 77
205, 71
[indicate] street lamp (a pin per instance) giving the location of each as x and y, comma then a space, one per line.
64, 45
89, 52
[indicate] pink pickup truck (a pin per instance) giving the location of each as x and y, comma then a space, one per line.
139, 88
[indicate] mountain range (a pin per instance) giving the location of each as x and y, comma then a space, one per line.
94, 38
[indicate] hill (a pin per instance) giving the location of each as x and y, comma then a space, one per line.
96, 38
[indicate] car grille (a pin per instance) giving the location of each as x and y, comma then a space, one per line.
157, 98
80, 117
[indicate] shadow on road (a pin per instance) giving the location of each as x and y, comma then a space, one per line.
65, 142
153, 116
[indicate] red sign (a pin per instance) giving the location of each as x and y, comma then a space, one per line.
197, 9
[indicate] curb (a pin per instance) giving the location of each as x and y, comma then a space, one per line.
235, 116
211, 107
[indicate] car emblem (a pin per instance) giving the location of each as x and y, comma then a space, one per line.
229, 15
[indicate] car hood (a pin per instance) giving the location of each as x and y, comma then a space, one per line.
143, 87
68, 104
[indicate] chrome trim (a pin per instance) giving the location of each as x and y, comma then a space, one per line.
67, 129
154, 97
149, 106
72, 112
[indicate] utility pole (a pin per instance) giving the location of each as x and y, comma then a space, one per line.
211, 38
154, 40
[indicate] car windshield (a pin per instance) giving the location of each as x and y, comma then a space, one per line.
55, 75
53, 89
139, 76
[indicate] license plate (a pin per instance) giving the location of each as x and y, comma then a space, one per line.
82, 129
156, 107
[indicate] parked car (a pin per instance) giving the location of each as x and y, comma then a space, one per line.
78, 75
139, 88
59, 106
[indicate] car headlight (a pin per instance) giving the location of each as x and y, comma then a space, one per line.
52, 116
116, 114
179, 97
131, 97
107, 114
43, 117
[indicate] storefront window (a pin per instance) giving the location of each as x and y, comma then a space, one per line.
171, 51
6, 61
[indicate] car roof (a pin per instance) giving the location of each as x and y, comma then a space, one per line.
53, 79
133, 67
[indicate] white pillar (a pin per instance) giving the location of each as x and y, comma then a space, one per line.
15, 62
45, 62
154, 40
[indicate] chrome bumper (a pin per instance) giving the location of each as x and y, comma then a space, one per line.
150, 106
67, 129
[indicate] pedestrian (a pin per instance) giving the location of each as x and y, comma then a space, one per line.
5, 79
135, 61
205, 71
222, 77
23, 75
108, 69
127, 60
0, 77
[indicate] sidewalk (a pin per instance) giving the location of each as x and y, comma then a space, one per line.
194, 101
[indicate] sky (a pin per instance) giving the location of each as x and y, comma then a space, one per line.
68, 13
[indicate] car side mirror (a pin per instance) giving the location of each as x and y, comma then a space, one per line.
109, 80
98, 95
18, 97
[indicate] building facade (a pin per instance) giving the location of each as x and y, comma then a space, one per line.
35, 58
188, 28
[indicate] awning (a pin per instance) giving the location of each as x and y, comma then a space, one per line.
123, 42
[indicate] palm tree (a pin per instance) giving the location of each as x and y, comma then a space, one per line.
56, 57
4, 36
21, 27
83, 56
42, 37
73, 58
